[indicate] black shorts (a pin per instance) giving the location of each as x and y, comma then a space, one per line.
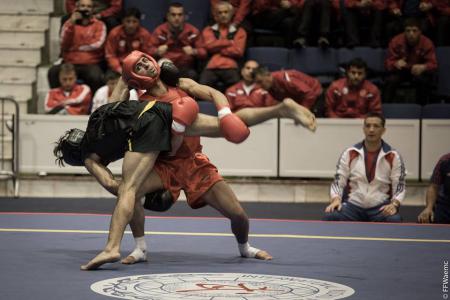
152, 131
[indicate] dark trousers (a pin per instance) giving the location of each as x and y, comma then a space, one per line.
442, 31
354, 20
220, 79
92, 75
351, 212
423, 86
442, 213
283, 20
311, 9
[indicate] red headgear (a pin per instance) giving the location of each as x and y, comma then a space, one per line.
134, 80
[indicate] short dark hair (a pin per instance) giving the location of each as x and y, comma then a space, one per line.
373, 114
132, 12
261, 70
357, 62
67, 68
176, 4
412, 22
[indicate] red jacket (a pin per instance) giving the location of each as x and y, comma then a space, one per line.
376, 4
256, 97
83, 44
294, 84
260, 6
189, 36
441, 7
345, 102
77, 102
392, 4
422, 53
241, 9
115, 6
224, 46
119, 45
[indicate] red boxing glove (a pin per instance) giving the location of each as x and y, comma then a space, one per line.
184, 112
232, 127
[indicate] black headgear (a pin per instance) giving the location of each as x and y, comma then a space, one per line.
68, 149
160, 200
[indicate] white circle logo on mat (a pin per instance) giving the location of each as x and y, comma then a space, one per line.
223, 286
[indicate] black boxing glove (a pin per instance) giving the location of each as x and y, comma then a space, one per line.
169, 73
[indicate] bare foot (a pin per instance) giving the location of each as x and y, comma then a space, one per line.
263, 255
102, 258
300, 114
135, 257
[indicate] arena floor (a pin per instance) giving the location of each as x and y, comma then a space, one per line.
41, 252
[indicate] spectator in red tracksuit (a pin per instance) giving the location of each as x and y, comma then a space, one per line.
353, 96
411, 57
107, 11
82, 44
125, 38
246, 93
70, 98
398, 11
225, 45
178, 41
279, 15
359, 12
293, 84
442, 11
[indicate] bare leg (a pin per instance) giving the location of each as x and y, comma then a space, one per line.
208, 126
136, 167
137, 224
286, 109
222, 198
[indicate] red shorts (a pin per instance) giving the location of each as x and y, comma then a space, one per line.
195, 175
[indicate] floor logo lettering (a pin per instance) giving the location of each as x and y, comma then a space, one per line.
229, 286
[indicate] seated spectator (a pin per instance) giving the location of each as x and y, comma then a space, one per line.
304, 89
360, 13
246, 93
178, 41
82, 44
315, 16
353, 96
398, 11
70, 98
107, 11
225, 45
280, 15
411, 57
437, 209
103, 94
241, 8
125, 38
372, 174
442, 14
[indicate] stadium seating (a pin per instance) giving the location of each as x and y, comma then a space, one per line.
275, 58
319, 63
401, 111
153, 12
436, 111
207, 108
443, 58
197, 12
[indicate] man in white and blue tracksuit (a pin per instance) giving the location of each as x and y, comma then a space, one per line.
369, 184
